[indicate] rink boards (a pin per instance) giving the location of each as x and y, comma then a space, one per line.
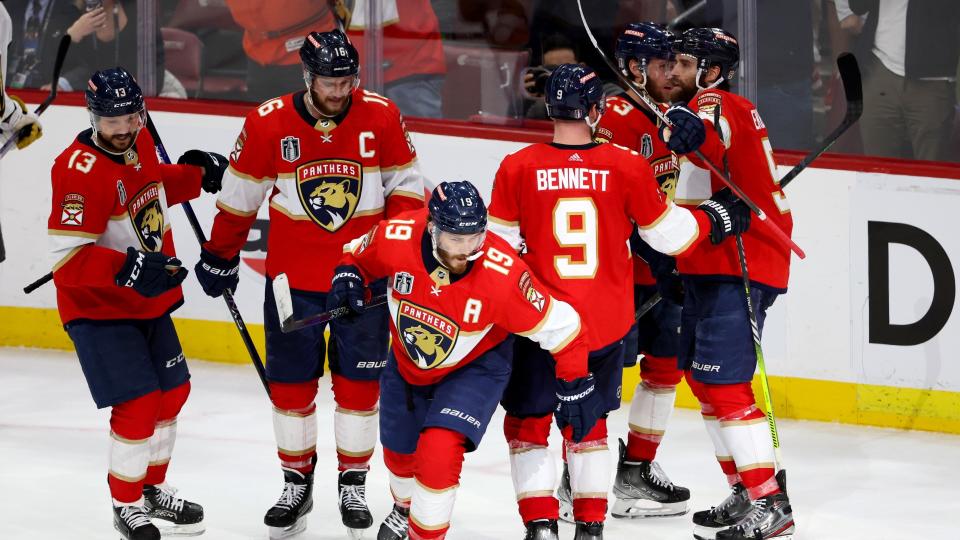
865, 335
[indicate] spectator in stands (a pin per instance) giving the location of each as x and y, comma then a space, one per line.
273, 33
115, 43
38, 26
908, 53
557, 50
413, 62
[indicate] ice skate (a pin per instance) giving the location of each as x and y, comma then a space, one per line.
353, 502
288, 516
133, 524
171, 514
642, 489
592, 530
542, 529
394, 527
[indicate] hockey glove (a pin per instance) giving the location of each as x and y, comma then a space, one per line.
346, 289
728, 215
18, 122
216, 274
150, 274
663, 267
579, 405
213, 165
687, 133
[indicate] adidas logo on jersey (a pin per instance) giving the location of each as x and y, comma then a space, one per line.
575, 157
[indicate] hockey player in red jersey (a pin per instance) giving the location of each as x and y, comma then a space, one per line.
570, 206
716, 337
456, 295
333, 160
644, 54
118, 280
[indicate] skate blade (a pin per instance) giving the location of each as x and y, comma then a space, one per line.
171, 530
566, 512
644, 508
705, 533
277, 533
355, 534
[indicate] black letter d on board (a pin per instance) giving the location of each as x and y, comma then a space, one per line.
880, 235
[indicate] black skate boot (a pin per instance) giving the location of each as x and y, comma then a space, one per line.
288, 516
133, 524
353, 502
542, 529
770, 517
565, 496
394, 527
642, 489
592, 530
185, 518
706, 523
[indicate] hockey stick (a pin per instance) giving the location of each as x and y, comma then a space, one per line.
281, 294
647, 306
202, 238
49, 275
57, 68
852, 88
771, 227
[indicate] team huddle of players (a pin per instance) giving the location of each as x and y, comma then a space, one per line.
521, 304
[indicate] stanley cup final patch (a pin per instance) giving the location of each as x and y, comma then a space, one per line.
403, 283
72, 210
290, 148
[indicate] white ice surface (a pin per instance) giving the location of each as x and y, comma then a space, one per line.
846, 482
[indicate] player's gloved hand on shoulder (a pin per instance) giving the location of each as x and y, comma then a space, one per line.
216, 274
21, 123
346, 289
579, 405
687, 133
213, 165
728, 215
149, 273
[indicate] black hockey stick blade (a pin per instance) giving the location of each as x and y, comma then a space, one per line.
853, 91
57, 68
292, 325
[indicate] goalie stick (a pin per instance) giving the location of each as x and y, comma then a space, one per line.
281, 293
761, 215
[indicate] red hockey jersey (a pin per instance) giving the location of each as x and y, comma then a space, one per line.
328, 182
440, 322
629, 124
104, 203
746, 147
574, 208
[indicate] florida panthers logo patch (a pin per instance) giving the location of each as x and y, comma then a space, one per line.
146, 216
330, 190
427, 336
667, 171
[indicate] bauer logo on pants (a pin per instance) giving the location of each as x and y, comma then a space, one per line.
330, 190
427, 336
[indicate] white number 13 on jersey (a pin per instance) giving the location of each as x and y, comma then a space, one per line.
575, 226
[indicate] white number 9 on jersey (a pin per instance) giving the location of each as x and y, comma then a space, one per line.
575, 226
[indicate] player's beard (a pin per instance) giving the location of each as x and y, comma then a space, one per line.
118, 143
455, 263
681, 91
330, 106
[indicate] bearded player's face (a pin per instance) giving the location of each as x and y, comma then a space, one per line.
117, 133
658, 79
331, 94
683, 79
